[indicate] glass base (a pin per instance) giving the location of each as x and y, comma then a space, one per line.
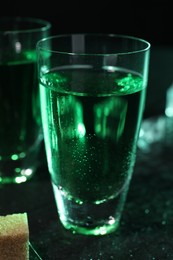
20, 167
89, 218
98, 230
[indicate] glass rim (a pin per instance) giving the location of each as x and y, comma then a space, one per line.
109, 35
43, 25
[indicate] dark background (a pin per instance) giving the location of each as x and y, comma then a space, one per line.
151, 20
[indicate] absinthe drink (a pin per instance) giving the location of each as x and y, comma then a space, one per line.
19, 113
91, 121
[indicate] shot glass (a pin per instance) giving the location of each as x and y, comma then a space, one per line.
20, 125
92, 97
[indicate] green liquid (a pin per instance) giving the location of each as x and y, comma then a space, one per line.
91, 122
19, 102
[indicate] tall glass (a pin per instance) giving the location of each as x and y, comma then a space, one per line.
20, 125
92, 96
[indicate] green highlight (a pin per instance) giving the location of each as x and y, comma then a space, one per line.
53, 80
23, 57
129, 84
31, 55
100, 230
18, 170
14, 157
